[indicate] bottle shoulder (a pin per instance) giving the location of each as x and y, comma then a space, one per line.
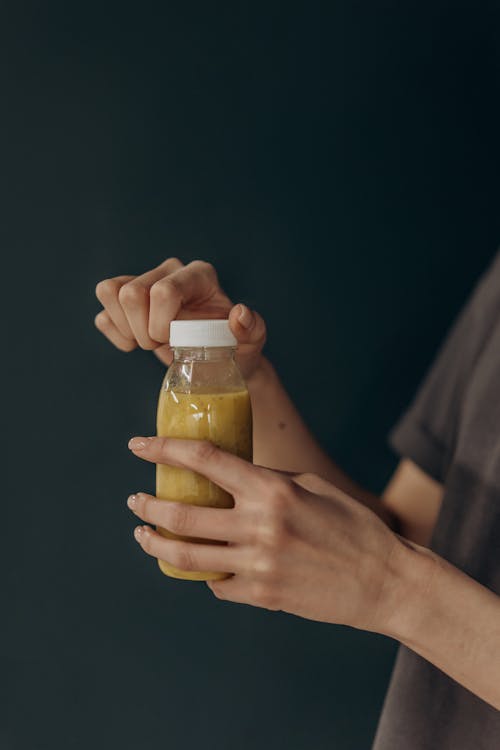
204, 377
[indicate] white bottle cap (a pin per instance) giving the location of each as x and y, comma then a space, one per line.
201, 333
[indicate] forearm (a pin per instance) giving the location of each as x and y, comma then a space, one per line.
450, 620
280, 436
283, 441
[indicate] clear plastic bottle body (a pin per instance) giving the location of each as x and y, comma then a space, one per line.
203, 397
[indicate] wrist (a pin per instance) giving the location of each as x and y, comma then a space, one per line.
412, 572
261, 375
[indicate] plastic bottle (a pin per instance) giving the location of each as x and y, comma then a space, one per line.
203, 396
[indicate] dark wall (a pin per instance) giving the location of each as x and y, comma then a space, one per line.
338, 163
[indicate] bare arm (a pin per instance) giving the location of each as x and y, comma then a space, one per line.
451, 620
282, 440
415, 499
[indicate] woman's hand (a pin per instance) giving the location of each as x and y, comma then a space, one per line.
294, 542
138, 310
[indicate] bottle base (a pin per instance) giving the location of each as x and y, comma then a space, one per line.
190, 575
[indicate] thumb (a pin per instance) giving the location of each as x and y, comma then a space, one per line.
248, 327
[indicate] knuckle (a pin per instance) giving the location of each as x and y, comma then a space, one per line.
160, 444
203, 266
266, 565
181, 557
177, 517
163, 290
279, 487
310, 481
308, 477
204, 451
273, 528
147, 345
126, 346
131, 294
101, 321
278, 498
273, 533
106, 288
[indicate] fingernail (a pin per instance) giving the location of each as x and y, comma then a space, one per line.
137, 443
138, 532
245, 318
132, 501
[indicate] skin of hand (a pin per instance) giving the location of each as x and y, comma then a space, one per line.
297, 543
138, 310
292, 542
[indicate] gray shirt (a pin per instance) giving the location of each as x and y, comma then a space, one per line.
452, 431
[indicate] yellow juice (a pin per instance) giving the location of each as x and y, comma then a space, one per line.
224, 418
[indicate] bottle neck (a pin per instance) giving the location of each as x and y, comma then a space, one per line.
203, 353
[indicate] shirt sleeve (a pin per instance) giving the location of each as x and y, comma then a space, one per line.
426, 433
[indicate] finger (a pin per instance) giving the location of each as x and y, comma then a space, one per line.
189, 555
221, 524
196, 284
165, 354
135, 301
250, 331
248, 327
244, 590
107, 293
230, 472
106, 326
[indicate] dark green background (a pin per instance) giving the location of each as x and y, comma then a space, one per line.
338, 163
